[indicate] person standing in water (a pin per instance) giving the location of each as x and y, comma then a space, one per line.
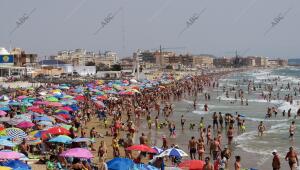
292, 157
292, 130
261, 128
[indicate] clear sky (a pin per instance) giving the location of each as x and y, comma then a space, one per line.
225, 25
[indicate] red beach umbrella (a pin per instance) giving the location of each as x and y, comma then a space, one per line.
36, 109
57, 131
79, 98
192, 164
143, 148
66, 108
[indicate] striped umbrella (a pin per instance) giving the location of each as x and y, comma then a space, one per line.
17, 135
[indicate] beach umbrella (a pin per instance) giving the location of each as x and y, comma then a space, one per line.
157, 149
42, 118
77, 153
52, 99
192, 164
36, 109
17, 165
100, 104
173, 152
24, 117
79, 98
172, 168
61, 139
4, 97
2, 113
4, 119
37, 133
17, 135
102, 97
120, 164
25, 124
5, 168
142, 148
61, 111
7, 154
78, 140
143, 167
40, 103
57, 131
4, 108
5, 142
14, 121
133, 81
45, 123
67, 108
34, 141
60, 118
65, 116
55, 104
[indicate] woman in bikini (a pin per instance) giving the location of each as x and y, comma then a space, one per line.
200, 148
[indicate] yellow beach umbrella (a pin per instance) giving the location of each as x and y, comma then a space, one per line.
5, 168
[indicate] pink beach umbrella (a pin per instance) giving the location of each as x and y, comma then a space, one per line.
77, 153
54, 104
2, 113
25, 124
41, 103
7, 154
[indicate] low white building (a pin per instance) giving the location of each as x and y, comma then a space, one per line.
85, 70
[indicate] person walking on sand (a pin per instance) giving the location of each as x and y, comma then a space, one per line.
208, 165
261, 128
292, 157
276, 161
192, 147
237, 164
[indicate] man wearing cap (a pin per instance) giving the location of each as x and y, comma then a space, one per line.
276, 161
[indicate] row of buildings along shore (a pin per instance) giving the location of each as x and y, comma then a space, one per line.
17, 61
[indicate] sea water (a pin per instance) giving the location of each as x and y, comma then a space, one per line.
255, 151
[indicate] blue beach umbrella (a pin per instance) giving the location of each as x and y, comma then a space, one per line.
61, 139
5, 142
16, 165
143, 167
4, 108
82, 140
120, 164
43, 118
